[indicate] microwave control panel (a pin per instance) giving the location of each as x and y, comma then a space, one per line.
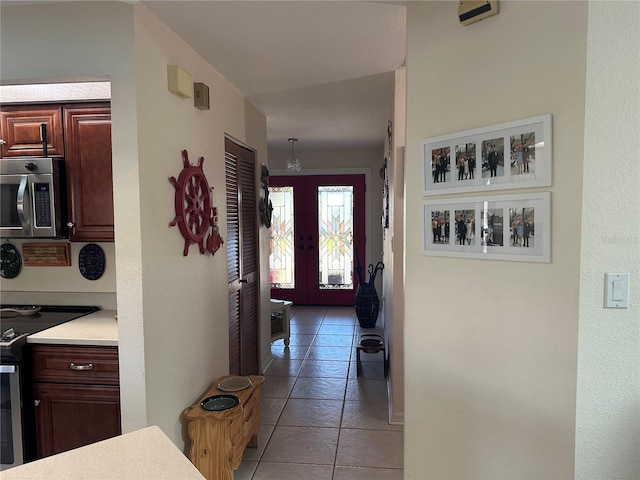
42, 205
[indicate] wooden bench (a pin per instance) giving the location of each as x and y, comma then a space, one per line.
371, 340
280, 320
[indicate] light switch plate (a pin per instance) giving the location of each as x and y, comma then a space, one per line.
616, 290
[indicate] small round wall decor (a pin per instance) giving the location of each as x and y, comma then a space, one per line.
10, 261
91, 261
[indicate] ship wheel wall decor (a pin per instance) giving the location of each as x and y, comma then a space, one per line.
194, 213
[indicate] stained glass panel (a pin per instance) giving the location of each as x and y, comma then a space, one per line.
281, 259
335, 227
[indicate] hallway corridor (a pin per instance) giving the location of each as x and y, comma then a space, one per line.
319, 420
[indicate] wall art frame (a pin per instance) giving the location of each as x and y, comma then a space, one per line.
509, 155
501, 227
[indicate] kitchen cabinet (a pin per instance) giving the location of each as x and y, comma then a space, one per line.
81, 134
89, 173
77, 396
20, 130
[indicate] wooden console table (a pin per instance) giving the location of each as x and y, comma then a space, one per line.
218, 438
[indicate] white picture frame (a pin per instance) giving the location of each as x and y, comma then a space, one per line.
505, 156
501, 227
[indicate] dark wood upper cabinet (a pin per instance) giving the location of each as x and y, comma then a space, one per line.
89, 174
20, 130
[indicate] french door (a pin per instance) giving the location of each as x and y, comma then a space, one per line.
318, 223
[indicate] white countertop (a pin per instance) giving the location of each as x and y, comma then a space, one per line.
145, 454
98, 329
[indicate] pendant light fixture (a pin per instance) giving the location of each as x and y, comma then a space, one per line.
293, 164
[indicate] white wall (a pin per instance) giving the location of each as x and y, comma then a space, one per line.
172, 310
491, 346
393, 242
608, 393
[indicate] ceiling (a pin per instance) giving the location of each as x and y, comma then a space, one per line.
321, 71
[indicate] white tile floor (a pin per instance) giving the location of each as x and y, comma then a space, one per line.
319, 420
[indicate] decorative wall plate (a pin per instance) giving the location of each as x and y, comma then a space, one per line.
10, 261
92, 261
264, 205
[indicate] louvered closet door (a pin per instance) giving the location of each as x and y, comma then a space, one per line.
242, 258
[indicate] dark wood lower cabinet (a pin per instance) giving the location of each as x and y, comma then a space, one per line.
77, 396
70, 416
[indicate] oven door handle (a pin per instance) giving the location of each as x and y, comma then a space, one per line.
23, 201
8, 369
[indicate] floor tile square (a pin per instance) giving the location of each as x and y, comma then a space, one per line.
333, 340
305, 412
365, 473
253, 454
322, 368
277, 386
292, 471
370, 370
326, 329
293, 352
373, 415
302, 445
359, 448
303, 329
365, 389
319, 388
284, 368
270, 409
301, 339
337, 319
245, 470
329, 353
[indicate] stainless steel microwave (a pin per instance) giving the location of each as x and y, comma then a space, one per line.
32, 198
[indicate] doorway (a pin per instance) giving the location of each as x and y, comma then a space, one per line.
318, 227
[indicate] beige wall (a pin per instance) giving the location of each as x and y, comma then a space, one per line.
490, 346
172, 310
608, 392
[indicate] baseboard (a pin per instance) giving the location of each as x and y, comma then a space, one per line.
395, 418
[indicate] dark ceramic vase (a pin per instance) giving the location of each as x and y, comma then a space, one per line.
367, 305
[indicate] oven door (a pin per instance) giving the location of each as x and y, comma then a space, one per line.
15, 206
11, 444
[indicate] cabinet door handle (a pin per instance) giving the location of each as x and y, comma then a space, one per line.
73, 366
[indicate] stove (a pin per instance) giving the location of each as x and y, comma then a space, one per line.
17, 322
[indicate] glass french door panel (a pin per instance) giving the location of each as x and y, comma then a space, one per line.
282, 257
335, 237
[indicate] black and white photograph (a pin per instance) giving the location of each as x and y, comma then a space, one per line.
500, 227
510, 155
493, 158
